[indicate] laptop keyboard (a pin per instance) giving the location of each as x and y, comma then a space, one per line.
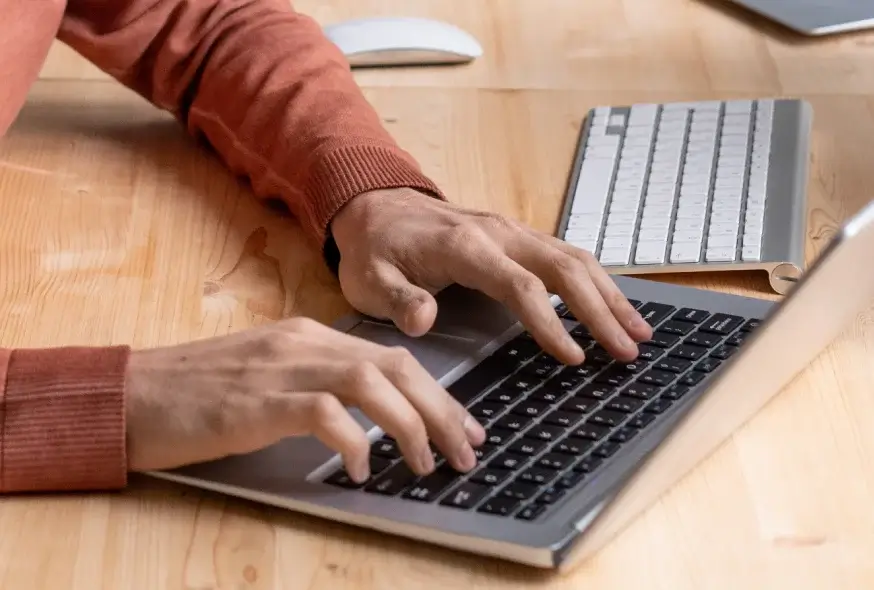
550, 427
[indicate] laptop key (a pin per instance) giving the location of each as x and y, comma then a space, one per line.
499, 505
393, 481
527, 447
579, 405
641, 390
573, 446
562, 418
498, 436
386, 448
484, 451
608, 449
626, 405
570, 479
545, 432
507, 460
615, 375
663, 339
624, 434
751, 325
659, 378
341, 479
702, 339
588, 464
520, 490
537, 475
500, 396
722, 324
546, 395
693, 316
597, 391
708, 365
490, 477
693, 378
589, 431
551, 495
433, 484
678, 328
676, 392
466, 495
512, 423
486, 410
531, 512
689, 352
723, 352
641, 420
655, 313
555, 461
531, 409
673, 364
658, 406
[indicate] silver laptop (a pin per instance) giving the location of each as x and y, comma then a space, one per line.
815, 17
568, 446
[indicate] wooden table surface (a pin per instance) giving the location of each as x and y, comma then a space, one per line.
115, 228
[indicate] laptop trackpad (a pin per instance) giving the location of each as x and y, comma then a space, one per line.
438, 352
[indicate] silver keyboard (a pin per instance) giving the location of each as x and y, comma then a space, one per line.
693, 186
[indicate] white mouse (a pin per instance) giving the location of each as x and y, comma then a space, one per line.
400, 41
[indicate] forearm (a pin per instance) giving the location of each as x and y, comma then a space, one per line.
62, 419
262, 84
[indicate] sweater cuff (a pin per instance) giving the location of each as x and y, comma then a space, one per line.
348, 172
62, 420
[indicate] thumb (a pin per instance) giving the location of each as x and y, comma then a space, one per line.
382, 291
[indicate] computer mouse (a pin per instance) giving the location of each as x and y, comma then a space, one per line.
402, 41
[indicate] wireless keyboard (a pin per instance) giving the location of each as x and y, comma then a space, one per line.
693, 186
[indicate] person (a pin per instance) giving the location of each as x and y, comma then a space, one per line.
261, 85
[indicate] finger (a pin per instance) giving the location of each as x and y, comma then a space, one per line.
325, 417
453, 430
383, 291
570, 278
484, 267
361, 384
637, 327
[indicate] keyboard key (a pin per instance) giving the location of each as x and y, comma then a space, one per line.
588, 464
490, 477
658, 406
530, 409
647, 352
579, 405
663, 340
590, 432
531, 512
708, 365
500, 396
527, 447
341, 479
624, 435
737, 338
656, 377
702, 339
692, 353
499, 505
615, 375
751, 325
673, 364
641, 421
484, 451
607, 449
693, 316
547, 396
507, 460
625, 405
545, 432
655, 313
641, 390
393, 481
608, 418
573, 446
433, 484
562, 418
512, 423
520, 490
555, 461
386, 448
723, 352
722, 324
692, 378
596, 391
676, 392
538, 475
465, 496
486, 410
550, 496
674, 327
520, 385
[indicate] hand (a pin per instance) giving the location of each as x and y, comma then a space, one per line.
236, 394
399, 247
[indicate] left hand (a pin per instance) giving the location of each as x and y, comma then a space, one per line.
399, 247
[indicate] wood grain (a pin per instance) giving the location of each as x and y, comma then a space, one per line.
116, 227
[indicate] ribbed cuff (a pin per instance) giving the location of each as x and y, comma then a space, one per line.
63, 420
349, 172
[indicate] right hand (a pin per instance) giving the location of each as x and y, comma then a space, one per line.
236, 394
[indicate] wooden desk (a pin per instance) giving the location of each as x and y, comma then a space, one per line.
115, 228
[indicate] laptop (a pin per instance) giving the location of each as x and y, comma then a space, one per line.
573, 453
815, 17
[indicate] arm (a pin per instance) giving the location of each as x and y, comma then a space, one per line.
261, 84
62, 420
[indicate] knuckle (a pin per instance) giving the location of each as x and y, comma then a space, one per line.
364, 375
497, 222
326, 408
525, 284
400, 361
568, 265
273, 344
464, 236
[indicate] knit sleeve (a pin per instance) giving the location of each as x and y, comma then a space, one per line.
62, 419
262, 84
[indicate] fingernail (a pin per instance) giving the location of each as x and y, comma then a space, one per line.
359, 472
466, 458
474, 431
426, 461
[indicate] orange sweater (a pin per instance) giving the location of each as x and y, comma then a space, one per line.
267, 90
